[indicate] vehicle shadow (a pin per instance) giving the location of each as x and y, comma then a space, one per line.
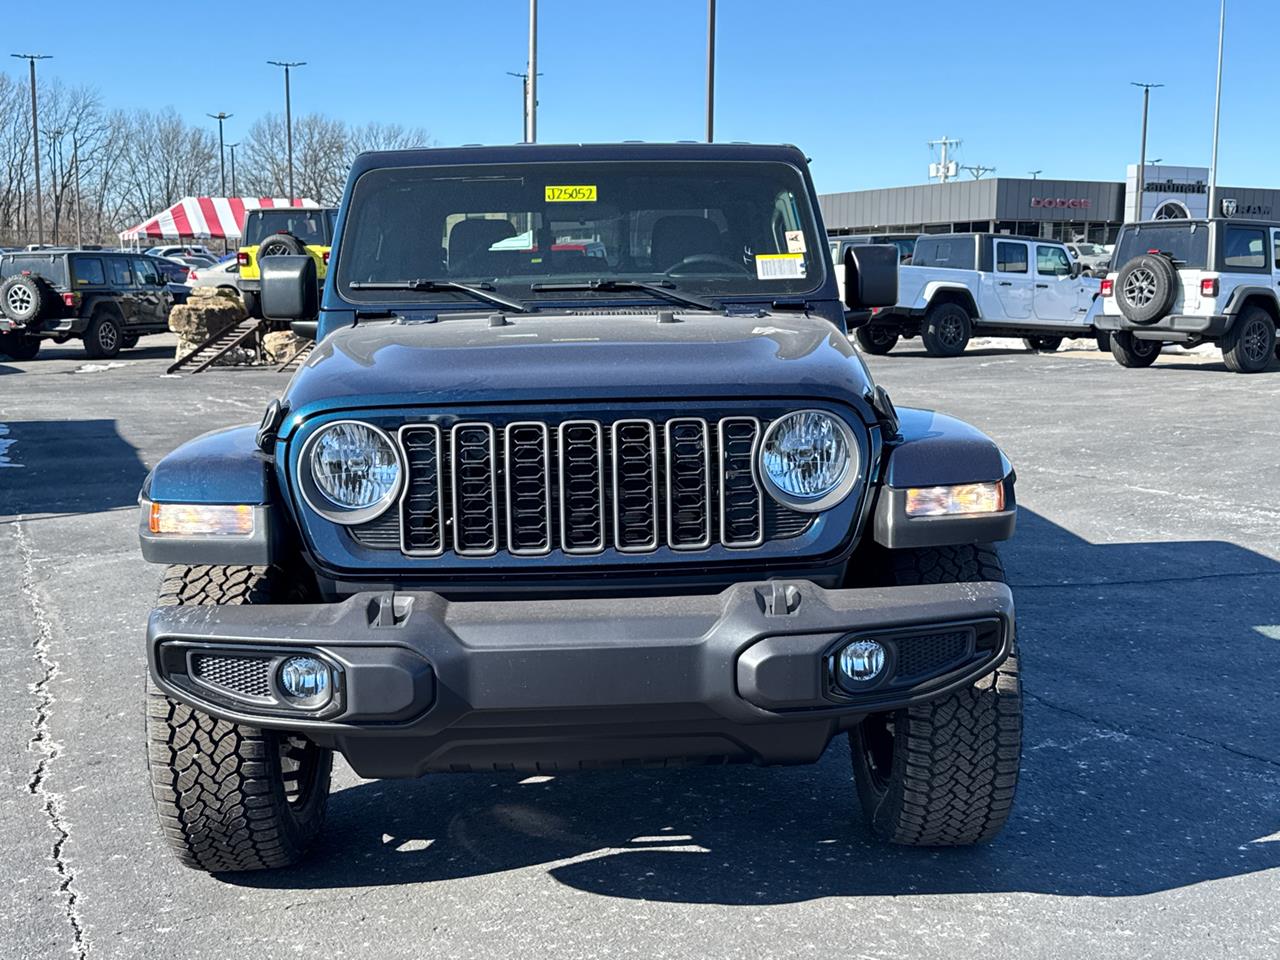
1151, 762
37, 480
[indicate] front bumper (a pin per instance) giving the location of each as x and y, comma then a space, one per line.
427, 684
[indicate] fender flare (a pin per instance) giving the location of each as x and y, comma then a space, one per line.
1240, 294
934, 287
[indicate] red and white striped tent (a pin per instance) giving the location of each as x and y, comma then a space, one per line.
205, 218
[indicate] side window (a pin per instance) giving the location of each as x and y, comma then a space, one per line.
1245, 248
1276, 252
88, 272
121, 275
1052, 262
1011, 257
146, 272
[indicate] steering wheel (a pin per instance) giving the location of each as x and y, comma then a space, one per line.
673, 270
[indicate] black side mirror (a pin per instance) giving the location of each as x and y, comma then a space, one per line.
870, 276
289, 288
306, 329
1076, 268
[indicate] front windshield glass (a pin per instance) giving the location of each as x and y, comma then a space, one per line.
714, 229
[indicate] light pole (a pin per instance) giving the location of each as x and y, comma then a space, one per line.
222, 152
1035, 174
524, 101
1217, 108
55, 141
1142, 162
711, 69
35, 137
531, 82
233, 146
288, 113
75, 163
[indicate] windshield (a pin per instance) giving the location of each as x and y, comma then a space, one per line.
1090, 250
715, 229
312, 227
1186, 241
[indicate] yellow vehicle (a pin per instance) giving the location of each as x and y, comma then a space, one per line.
281, 231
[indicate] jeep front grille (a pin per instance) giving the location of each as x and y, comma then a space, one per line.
531, 487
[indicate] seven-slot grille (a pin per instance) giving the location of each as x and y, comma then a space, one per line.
581, 486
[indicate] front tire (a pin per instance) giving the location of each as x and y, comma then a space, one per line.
1129, 351
1250, 343
943, 773
875, 340
231, 797
946, 330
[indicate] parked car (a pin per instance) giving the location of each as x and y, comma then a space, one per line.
194, 261
1094, 258
104, 298
225, 275
182, 250
1191, 282
543, 510
282, 231
963, 284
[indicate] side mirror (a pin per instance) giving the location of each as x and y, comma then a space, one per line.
870, 276
289, 288
1076, 269
306, 329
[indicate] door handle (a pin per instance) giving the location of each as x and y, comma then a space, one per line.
1042, 286
1004, 283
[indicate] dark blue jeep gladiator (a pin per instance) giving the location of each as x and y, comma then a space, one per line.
583, 471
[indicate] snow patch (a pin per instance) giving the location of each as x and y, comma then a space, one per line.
96, 367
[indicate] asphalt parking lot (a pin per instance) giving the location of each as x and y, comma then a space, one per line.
1146, 571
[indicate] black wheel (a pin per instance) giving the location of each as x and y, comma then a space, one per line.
943, 773
103, 338
1042, 344
1251, 342
24, 299
128, 341
19, 346
231, 797
280, 245
1129, 351
946, 330
1146, 288
250, 298
876, 340
1103, 339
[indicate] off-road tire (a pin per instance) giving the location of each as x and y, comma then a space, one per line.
25, 299
105, 334
946, 330
1129, 351
251, 303
17, 346
875, 340
128, 341
280, 245
943, 773
1103, 339
1042, 344
1146, 288
221, 789
1250, 343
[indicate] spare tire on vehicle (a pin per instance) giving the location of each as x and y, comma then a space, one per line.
281, 245
1146, 288
24, 299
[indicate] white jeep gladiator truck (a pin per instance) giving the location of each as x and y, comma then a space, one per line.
960, 285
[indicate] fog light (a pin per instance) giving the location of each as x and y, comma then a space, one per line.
955, 500
200, 519
859, 663
305, 681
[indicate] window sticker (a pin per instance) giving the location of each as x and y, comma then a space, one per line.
573, 193
780, 266
795, 241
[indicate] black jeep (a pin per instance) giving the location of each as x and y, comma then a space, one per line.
584, 471
105, 298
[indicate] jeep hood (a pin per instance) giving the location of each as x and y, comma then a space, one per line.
474, 359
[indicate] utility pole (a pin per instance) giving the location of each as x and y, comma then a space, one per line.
711, 69
35, 137
943, 170
75, 163
524, 101
55, 141
232, 147
288, 113
222, 151
979, 171
1142, 161
1217, 109
531, 82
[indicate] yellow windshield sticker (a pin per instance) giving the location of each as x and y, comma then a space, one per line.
578, 193
780, 266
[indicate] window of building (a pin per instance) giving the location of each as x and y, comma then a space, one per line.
1011, 257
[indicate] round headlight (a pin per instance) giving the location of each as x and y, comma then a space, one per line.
355, 470
808, 460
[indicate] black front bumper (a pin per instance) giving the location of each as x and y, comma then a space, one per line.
427, 684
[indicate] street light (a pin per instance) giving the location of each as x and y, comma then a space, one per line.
288, 112
222, 154
35, 137
233, 146
1217, 108
531, 84
1035, 174
711, 69
524, 100
1142, 163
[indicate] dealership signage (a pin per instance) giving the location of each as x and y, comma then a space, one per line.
1070, 203
1169, 185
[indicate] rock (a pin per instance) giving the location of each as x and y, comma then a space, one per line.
205, 316
213, 293
280, 345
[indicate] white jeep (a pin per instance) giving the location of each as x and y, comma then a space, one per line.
1191, 282
960, 285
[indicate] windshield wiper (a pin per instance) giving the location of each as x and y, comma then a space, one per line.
479, 291
661, 289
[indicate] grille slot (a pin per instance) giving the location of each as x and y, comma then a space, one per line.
741, 500
422, 503
635, 485
930, 653
581, 452
475, 490
247, 676
527, 456
688, 462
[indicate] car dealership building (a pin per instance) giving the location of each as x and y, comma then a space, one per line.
1058, 209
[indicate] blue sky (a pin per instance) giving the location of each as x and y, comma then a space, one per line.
859, 85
